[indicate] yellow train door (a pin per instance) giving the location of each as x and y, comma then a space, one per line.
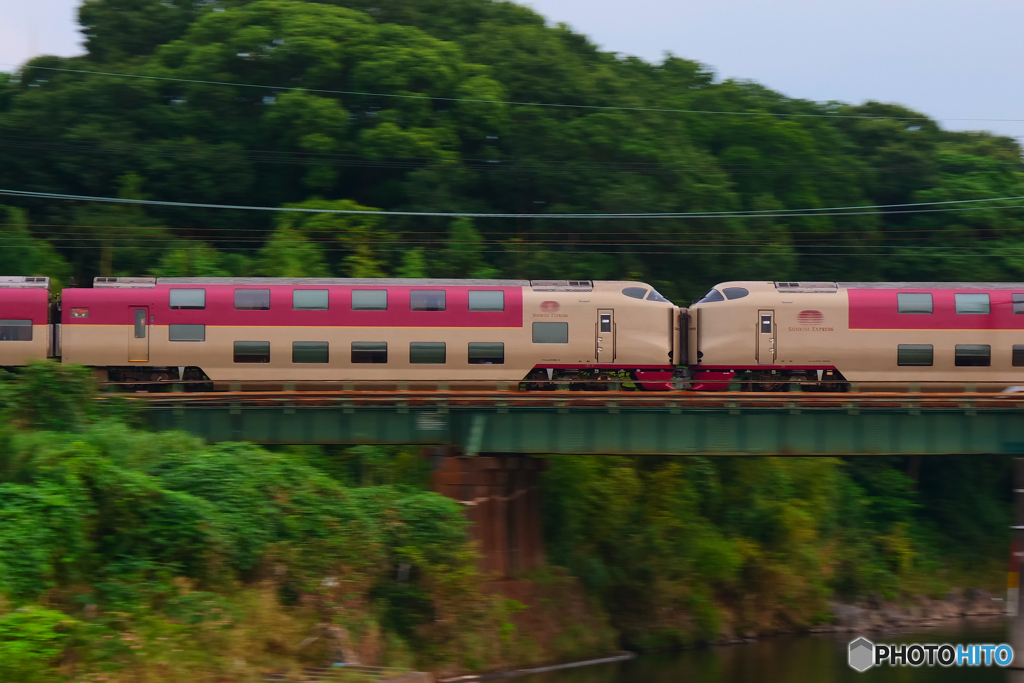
767, 331
605, 335
138, 335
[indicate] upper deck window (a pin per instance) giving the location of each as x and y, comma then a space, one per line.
15, 330
486, 301
1018, 304
369, 299
194, 299
711, 296
309, 300
635, 292
976, 304
252, 299
426, 300
914, 302
735, 292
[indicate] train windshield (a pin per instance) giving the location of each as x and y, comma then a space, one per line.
713, 295
655, 296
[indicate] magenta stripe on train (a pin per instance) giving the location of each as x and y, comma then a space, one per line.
113, 307
878, 309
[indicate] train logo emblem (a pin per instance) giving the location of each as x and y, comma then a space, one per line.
550, 306
810, 318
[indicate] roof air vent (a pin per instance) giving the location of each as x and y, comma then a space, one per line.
124, 283
807, 287
18, 282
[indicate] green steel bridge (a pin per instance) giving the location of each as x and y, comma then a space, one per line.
610, 422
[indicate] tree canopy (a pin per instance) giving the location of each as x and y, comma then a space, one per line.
471, 106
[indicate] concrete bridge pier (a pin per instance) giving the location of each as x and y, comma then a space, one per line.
501, 495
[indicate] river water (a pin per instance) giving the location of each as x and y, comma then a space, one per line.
792, 659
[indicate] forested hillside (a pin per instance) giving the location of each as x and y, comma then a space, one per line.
408, 105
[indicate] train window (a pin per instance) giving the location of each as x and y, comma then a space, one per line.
252, 352
486, 353
1018, 304
15, 330
551, 333
369, 299
194, 299
1018, 355
186, 333
140, 323
252, 299
973, 355
427, 352
309, 300
635, 292
914, 354
914, 302
426, 300
369, 352
606, 322
310, 352
486, 301
654, 296
972, 304
711, 296
735, 292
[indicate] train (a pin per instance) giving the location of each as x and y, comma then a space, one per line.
530, 334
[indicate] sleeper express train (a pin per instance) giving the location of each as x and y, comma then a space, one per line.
302, 331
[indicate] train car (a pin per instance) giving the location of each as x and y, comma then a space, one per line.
313, 330
881, 335
25, 333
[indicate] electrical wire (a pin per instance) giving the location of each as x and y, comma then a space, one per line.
785, 213
506, 102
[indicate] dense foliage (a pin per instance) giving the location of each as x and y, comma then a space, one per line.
406, 105
153, 557
683, 549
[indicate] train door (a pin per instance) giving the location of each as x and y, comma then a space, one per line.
766, 337
605, 335
138, 335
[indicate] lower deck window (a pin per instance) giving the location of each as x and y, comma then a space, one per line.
973, 355
15, 330
427, 352
914, 354
486, 353
369, 352
310, 352
186, 332
551, 333
252, 352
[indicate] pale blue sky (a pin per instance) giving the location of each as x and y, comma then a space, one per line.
950, 59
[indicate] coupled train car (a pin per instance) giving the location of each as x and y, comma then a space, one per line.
763, 336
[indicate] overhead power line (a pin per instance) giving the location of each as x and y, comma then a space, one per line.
556, 105
783, 213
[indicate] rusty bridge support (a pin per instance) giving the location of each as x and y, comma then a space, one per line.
501, 495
